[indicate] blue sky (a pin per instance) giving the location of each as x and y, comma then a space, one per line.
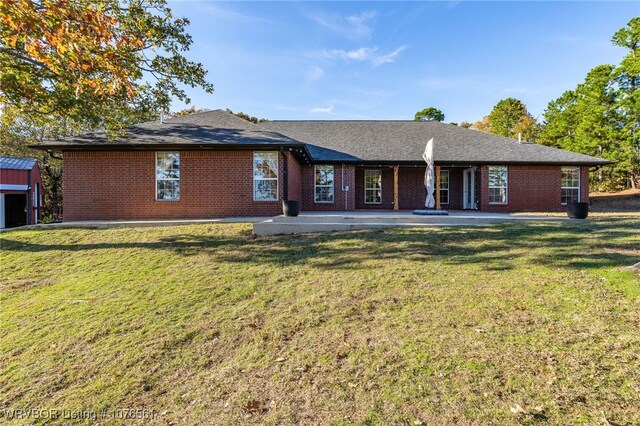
387, 60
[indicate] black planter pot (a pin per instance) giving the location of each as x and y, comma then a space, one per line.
578, 210
291, 208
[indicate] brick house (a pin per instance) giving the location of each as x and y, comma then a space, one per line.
214, 164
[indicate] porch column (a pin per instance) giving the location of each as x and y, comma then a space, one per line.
437, 188
396, 197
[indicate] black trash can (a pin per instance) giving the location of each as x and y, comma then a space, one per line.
291, 208
578, 210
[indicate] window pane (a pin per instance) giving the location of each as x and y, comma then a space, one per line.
570, 185
569, 195
265, 173
498, 176
324, 175
168, 175
324, 194
444, 179
373, 196
168, 189
265, 165
444, 196
372, 186
265, 190
168, 165
498, 195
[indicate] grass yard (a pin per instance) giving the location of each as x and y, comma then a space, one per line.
514, 324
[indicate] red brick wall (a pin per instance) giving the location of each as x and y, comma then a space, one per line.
295, 178
387, 188
121, 185
308, 189
531, 188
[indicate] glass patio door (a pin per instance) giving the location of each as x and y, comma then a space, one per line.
468, 188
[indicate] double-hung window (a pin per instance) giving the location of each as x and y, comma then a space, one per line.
444, 187
167, 176
570, 186
373, 187
324, 183
265, 175
498, 184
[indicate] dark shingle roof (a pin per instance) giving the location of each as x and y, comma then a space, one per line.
404, 141
329, 141
209, 128
16, 163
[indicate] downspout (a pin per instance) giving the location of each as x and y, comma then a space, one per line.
285, 173
29, 197
343, 187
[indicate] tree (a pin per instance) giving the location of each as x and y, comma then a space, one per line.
627, 78
95, 63
601, 116
429, 114
18, 132
247, 117
466, 124
510, 118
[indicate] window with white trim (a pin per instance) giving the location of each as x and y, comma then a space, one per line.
444, 186
167, 176
373, 187
570, 185
265, 175
324, 183
498, 184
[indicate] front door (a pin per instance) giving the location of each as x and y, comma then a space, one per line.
468, 189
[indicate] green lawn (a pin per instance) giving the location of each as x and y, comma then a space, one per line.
207, 324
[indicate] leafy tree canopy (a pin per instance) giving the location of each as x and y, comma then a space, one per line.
511, 119
601, 116
429, 114
99, 64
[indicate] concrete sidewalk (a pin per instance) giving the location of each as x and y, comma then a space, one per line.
104, 224
333, 221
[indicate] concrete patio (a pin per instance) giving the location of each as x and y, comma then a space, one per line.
308, 222
335, 221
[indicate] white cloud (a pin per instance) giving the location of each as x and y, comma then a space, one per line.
315, 73
388, 58
362, 54
356, 26
317, 110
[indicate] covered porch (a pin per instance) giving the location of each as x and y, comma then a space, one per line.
401, 187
